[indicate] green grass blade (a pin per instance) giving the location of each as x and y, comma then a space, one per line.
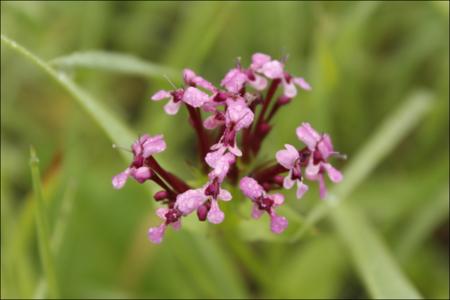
387, 136
118, 132
379, 270
113, 62
42, 229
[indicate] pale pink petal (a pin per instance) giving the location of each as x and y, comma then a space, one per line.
278, 199
141, 174
153, 145
333, 174
161, 213
272, 69
194, 97
215, 215
302, 188
176, 225
302, 83
308, 135
224, 195
278, 223
235, 150
160, 95
288, 182
260, 83
325, 146
172, 107
234, 80
239, 114
120, 179
213, 121
290, 90
188, 76
250, 187
258, 60
322, 187
190, 200
212, 158
311, 169
256, 212
156, 234
287, 157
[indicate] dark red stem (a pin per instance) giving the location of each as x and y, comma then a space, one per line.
203, 140
178, 184
268, 173
161, 183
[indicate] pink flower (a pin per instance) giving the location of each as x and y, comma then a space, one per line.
263, 202
234, 80
192, 79
291, 159
191, 96
142, 149
169, 216
221, 163
321, 149
204, 200
237, 117
274, 69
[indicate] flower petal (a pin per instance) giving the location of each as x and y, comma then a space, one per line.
272, 69
287, 157
278, 223
160, 95
290, 90
288, 182
224, 195
190, 200
250, 187
260, 83
215, 215
153, 145
156, 234
172, 107
333, 174
120, 179
258, 60
194, 97
256, 212
141, 174
302, 188
308, 135
302, 83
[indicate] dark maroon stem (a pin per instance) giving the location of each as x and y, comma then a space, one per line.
161, 183
178, 184
272, 89
273, 111
203, 140
268, 173
246, 136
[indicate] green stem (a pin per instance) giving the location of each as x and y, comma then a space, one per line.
45, 252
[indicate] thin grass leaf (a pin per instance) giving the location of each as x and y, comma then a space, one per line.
387, 136
429, 215
380, 272
118, 132
45, 251
113, 62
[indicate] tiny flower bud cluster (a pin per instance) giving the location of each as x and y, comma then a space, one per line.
229, 132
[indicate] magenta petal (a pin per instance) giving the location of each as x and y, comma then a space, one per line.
141, 174
194, 97
120, 179
278, 223
234, 80
290, 90
190, 200
156, 234
302, 188
250, 187
224, 195
160, 95
308, 135
325, 146
153, 145
287, 157
239, 114
322, 187
172, 107
334, 174
176, 225
161, 213
288, 182
215, 215
301, 82
273, 69
278, 199
212, 122
260, 83
256, 212
258, 60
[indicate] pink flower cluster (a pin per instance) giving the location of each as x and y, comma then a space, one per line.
230, 112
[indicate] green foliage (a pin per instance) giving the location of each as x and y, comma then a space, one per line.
71, 234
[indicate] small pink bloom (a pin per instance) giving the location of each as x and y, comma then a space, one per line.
308, 135
221, 162
291, 160
190, 200
273, 69
192, 79
215, 120
169, 216
258, 60
194, 97
120, 179
215, 215
234, 80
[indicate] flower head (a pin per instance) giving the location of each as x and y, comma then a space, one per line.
263, 202
169, 216
142, 149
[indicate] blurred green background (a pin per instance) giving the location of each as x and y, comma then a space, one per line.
363, 59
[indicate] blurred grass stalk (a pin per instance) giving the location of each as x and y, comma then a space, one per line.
45, 251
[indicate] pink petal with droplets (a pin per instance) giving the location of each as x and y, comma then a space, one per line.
250, 187
120, 179
194, 97
215, 215
278, 223
156, 234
